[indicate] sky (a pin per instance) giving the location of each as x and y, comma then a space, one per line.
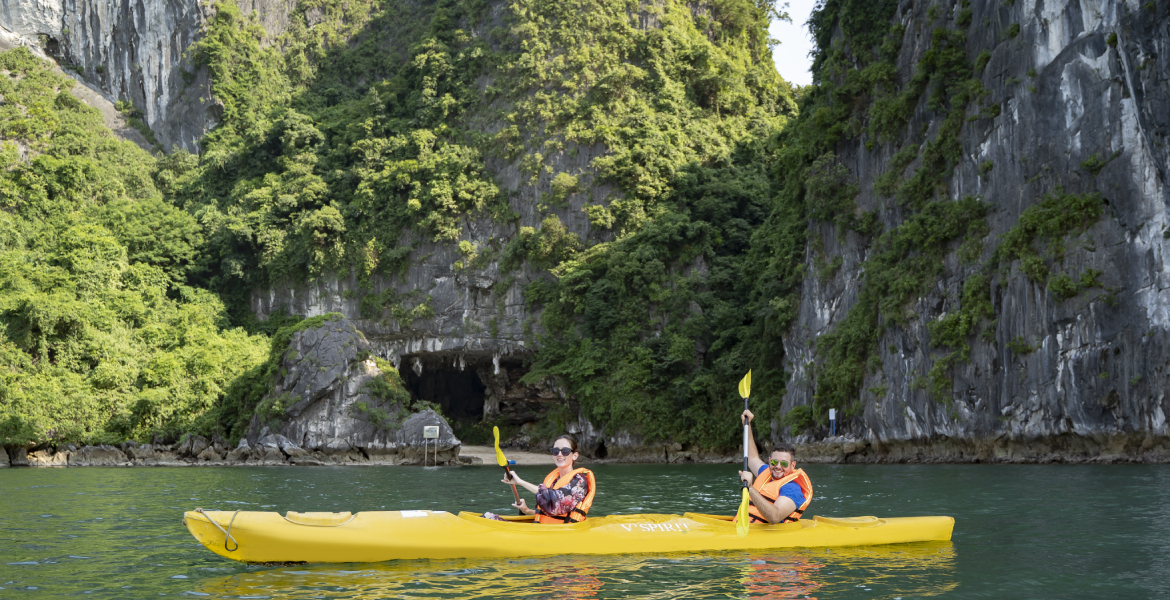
791, 54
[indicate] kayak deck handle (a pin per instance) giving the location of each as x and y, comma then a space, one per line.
319, 519
227, 534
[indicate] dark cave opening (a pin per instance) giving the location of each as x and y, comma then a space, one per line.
458, 392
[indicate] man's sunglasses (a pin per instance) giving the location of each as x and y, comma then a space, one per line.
562, 451
783, 463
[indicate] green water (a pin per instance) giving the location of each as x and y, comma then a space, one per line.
1050, 531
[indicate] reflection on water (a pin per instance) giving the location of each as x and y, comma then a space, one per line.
889, 571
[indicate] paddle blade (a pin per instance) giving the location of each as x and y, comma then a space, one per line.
500, 460
742, 517
745, 385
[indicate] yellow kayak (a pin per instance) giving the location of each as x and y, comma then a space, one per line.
261, 537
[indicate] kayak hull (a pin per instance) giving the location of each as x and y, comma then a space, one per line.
263, 537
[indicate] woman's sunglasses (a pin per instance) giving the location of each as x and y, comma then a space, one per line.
783, 463
562, 451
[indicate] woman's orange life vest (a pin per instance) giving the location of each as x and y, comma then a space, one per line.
581, 509
770, 488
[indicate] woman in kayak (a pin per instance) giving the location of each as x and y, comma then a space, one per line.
567, 492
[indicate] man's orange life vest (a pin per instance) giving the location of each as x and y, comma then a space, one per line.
770, 489
581, 509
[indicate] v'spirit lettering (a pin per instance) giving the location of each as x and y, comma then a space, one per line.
681, 527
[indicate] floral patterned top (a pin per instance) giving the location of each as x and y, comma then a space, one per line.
558, 502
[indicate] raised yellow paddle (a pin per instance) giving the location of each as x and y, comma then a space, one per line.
503, 462
741, 516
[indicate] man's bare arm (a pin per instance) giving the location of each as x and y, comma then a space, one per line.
773, 512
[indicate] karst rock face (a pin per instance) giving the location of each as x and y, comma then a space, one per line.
1078, 82
136, 51
326, 398
1082, 83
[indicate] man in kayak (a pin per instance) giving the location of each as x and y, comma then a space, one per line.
566, 494
778, 491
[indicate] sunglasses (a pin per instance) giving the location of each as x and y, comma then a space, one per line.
562, 451
783, 463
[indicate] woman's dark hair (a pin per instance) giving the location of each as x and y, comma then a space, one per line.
567, 438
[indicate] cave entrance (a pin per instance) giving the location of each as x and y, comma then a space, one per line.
458, 392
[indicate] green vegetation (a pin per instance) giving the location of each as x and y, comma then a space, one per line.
101, 337
1095, 163
1020, 346
134, 118
1038, 237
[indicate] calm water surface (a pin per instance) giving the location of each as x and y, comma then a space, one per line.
1050, 531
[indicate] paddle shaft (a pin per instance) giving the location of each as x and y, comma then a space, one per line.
746, 439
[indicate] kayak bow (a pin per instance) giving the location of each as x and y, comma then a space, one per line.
411, 534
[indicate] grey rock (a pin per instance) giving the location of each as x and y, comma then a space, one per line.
192, 447
210, 455
98, 456
48, 458
381, 456
198, 445
265, 455
290, 449
413, 448
153, 455
308, 460
18, 457
239, 453
1094, 387
4, 462
351, 457
331, 405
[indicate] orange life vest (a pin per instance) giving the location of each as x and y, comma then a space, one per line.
770, 489
581, 509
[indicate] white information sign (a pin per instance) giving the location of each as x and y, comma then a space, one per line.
431, 432
832, 414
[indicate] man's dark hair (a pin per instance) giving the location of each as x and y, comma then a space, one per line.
782, 447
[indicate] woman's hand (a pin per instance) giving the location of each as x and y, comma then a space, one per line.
523, 507
513, 479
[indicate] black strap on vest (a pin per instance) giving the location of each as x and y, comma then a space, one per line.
566, 518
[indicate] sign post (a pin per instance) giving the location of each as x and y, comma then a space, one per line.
431, 432
832, 421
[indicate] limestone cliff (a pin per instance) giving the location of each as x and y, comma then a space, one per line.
136, 51
331, 397
1027, 341
1061, 373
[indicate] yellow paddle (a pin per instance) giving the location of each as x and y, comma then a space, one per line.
742, 517
503, 462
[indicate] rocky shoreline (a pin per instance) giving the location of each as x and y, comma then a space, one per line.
277, 450
270, 451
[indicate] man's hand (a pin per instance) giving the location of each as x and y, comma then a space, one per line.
746, 477
746, 417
